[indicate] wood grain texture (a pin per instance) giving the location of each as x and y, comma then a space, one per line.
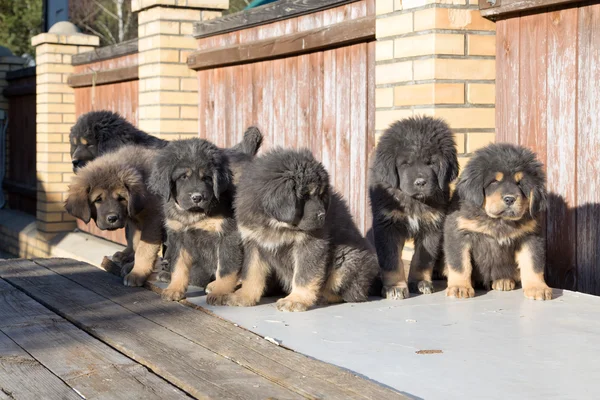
103, 77
19, 371
190, 367
86, 364
588, 141
108, 52
303, 375
273, 12
507, 81
506, 8
342, 122
336, 35
562, 133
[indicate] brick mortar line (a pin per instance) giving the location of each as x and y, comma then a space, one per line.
438, 105
477, 32
426, 7
435, 57
426, 81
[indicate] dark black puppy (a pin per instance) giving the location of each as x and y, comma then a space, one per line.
196, 185
295, 226
99, 132
491, 236
415, 161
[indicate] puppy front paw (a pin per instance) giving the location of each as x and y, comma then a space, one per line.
238, 300
538, 292
425, 287
134, 279
396, 292
460, 292
173, 294
291, 305
503, 284
216, 299
210, 287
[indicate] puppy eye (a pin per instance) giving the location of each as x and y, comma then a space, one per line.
183, 177
98, 200
207, 179
120, 198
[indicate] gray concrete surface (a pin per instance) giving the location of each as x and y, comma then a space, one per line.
497, 345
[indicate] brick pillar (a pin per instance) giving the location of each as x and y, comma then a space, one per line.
55, 116
437, 57
168, 89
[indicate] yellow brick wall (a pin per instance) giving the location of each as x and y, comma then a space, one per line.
55, 106
168, 89
436, 57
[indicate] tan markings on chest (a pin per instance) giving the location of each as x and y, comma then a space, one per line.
209, 224
270, 238
471, 225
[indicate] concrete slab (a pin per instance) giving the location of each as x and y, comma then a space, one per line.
84, 247
497, 345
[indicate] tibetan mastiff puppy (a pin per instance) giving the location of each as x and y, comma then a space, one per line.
491, 236
409, 188
194, 180
113, 191
99, 132
296, 228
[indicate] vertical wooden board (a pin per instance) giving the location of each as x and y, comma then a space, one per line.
507, 80
202, 103
22, 377
588, 141
210, 106
562, 133
228, 114
370, 126
247, 96
221, 96
329, 113
532, 86
342, 122
358, 133
278, 102
266, 112
293, 135
315, 99
257, 103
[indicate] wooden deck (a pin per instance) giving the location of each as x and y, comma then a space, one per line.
69, 330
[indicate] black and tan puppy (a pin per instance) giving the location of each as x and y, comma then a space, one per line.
294, 226
492, 237
99, 132
415, 161
195, 183
112, 190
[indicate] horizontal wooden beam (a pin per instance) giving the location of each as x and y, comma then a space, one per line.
342, 34
21, 89
282, 9
103, 77
106, 53
495, 9
20, 188
20, 73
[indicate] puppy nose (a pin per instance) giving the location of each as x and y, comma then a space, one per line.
112, 218
420, 182
509, 200
77, 163
197, 197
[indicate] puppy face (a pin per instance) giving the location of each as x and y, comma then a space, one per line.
83, 149
505, 180
109, 208
194, 190
418, 176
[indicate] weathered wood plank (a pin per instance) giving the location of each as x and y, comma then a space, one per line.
588, 140
337, 35
104, 53
329, 113
507, 81
315, 99
302, 374
279, 10
370, 121
103, 77
506, 8
22, 377
19, 89
562, 133
342, 121
191, 367
86, 364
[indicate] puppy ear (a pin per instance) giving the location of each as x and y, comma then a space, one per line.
78, 203
281, 203
385, 170
448, 170
221, 179
160, 181
470, 186
137, 198
537, 196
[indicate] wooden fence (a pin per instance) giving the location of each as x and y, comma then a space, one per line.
548, 99
107, 79
20, 181
306, 81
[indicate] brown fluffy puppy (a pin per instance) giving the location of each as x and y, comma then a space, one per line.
293, 226
112, 190
491, 236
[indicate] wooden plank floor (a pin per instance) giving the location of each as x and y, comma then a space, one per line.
73, 330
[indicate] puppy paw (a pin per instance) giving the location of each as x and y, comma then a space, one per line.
173, 294
460, 292
425, 287
216, 299
503, 284
291, 305
210, 287
238, 300
397, 292
134, 279
538, 292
